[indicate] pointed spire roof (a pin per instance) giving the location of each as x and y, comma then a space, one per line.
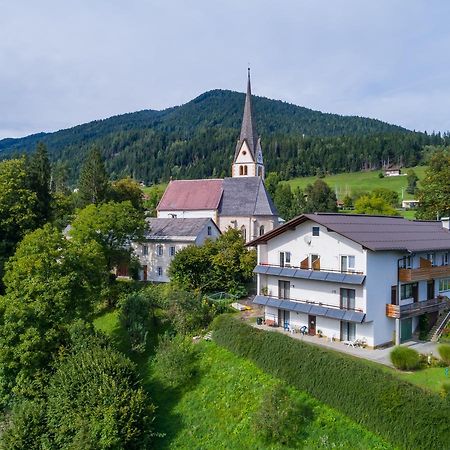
248, 131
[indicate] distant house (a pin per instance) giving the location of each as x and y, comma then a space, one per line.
166, 237
392, 171
349, 276
410, 204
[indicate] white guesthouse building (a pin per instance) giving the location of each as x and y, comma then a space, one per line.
165, 238
353, 276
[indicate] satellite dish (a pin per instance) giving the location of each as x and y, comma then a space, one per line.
307, 239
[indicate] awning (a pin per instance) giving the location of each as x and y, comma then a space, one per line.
318, 275
311, 308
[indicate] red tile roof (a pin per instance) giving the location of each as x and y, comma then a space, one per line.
183, 195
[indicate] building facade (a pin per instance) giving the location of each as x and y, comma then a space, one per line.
167, 236
352, 277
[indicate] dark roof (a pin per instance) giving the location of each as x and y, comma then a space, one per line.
246, 196
375, 232
181, 195
248, 130
174, 227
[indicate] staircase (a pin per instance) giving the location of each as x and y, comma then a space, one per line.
443, 320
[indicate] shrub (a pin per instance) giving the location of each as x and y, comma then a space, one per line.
405, 358
175, 360
445, 389
444, 353
368, 394
281, 418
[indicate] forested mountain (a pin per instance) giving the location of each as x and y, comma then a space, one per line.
198, 139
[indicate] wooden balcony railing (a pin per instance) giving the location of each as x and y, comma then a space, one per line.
424, 272
415, 309
317, 267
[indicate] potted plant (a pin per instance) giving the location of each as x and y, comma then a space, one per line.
319, 333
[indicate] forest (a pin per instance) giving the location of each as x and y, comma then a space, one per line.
197, 140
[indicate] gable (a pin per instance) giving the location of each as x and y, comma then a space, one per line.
244, 155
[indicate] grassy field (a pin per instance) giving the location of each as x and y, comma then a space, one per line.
352, 183
427, 378
216, 410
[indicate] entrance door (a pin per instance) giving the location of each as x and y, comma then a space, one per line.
348, 331
144, 274
430, 289
284, 318
347, 298
405, 329
312, 325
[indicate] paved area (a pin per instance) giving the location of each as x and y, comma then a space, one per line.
380, 355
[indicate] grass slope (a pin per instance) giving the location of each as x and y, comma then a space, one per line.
215, 411
353, 183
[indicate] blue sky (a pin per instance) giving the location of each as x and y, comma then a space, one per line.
68, 62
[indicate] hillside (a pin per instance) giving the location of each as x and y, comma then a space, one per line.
197, 140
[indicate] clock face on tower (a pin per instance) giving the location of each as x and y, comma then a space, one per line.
259, 158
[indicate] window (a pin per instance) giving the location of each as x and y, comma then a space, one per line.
209, 230
159, 250
444, 285
407, 290
172, 251
245, 170
314, 262
347, 263
347, 298
348, 331
315, 231
261, 230
259, 172
160, 271
241, 170
285, 259
444, 260
283, 289
145, 250
430, 257
244, 232
406, 262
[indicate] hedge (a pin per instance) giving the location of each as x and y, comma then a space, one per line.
402, 413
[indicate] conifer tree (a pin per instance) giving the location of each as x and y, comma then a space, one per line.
39, 174
93, 182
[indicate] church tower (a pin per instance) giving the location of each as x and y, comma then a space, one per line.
248, 159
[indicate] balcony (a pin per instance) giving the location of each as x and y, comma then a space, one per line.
311, 308
316, 273
416, 308
426, 271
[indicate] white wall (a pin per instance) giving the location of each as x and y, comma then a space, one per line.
251, 224
193, 214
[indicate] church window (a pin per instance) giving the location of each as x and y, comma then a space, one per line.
244, 232
241, 170
261, 230
245, 170
244, 152
259, 172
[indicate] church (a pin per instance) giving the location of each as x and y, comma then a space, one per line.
240, 201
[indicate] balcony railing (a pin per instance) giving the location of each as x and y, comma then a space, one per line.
315, 267
426, 271
309, 302
416, 308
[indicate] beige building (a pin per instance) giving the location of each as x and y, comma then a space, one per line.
241, 201
165, 238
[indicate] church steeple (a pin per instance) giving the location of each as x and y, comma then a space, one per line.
248, 159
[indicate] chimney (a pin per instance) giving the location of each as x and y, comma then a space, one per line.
445, 222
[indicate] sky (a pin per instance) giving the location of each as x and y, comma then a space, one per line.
63, 63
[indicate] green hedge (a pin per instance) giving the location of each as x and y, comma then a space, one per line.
402, 413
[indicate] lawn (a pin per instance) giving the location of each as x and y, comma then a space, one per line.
216, 410
431, 378
352, 183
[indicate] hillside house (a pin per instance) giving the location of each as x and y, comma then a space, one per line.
353, 277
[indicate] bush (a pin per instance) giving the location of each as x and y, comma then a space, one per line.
175, 360
370, 395
405, 358
280, 418
444, 353
445, 389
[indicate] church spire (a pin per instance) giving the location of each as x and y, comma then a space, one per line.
248, 131
248, 159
